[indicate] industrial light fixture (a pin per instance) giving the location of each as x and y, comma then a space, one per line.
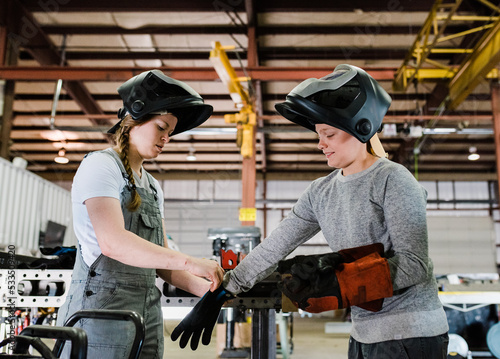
191, 155
473, 156
61, 157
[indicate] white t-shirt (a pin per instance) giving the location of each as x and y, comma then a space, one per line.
100, 176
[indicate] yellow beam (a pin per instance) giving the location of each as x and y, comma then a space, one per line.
451, 51
246, 118
426, 41
485, 57
400, 80
428, 74
464, 33
490, 5
467, 18
228, 75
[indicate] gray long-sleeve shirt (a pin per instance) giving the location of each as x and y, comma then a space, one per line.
385, 204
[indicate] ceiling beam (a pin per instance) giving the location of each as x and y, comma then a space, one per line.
342, 6
265, 53
266, 97
223, 5
132, 6
401, 115
44, 73
30, 36
163, 54
403, 118
143, 30
485, 57
280, 174
311, 29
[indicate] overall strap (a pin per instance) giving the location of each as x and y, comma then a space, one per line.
151, 182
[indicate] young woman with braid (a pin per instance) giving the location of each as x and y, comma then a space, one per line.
118, 220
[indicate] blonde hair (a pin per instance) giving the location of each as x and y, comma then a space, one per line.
370, 149
122, 138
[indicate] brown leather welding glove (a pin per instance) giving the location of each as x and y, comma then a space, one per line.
307, 267
363, 281
352, 254
301, 272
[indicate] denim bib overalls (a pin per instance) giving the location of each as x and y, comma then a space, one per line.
109, 284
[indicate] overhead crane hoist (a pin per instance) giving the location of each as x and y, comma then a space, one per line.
245, 120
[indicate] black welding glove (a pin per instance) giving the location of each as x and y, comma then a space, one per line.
301, 275
201, 319
301, 271
314, 276
306, 268
364, 282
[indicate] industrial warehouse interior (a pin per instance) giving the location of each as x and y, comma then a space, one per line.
228, 183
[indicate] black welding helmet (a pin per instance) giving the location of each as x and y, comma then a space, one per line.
348, 99
152, 92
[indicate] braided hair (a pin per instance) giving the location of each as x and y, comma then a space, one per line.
121, 138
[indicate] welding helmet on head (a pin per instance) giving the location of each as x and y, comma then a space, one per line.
348, 99
153, 92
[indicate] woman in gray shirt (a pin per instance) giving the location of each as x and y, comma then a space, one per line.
366, 202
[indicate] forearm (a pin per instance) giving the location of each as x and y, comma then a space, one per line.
407, 271
405, 213
263, 259
185, 281
408, 258
128, 248
124, 246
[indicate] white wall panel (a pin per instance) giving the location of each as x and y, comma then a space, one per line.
27, 202
286, 189
228, 189
462, 244
496, 224
431, 188
188, 223
179, 189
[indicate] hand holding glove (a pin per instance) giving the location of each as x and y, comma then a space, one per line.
201, 319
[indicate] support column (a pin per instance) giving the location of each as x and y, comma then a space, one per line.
248, 179
263, 334
3, 43
6, 119
248, 172
8, 56
495, 105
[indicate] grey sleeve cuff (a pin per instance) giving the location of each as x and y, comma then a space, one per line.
230, 285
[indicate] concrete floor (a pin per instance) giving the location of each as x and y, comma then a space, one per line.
309, 341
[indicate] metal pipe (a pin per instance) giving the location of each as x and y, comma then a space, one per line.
57, 93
